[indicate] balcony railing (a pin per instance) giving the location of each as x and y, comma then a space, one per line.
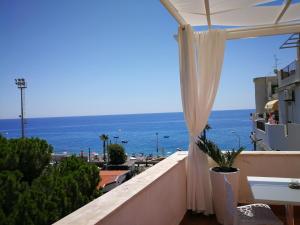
288, 70
260, 124
158, 195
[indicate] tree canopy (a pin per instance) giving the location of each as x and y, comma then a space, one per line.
27, 155
116, 154
34, 192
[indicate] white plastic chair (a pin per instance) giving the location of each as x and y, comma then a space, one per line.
253, 214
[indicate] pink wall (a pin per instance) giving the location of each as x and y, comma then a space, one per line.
163, 202
156, 196
264, 164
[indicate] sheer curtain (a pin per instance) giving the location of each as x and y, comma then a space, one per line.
201, 59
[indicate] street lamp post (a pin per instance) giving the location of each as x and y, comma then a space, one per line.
238, 136
116, 139
21, 83
163, 149
156, 143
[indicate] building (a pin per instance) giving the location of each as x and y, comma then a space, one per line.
276, 122
111, 179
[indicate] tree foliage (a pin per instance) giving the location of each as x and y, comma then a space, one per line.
224, 159
116, 154
27, 155
104, 138
51, 192
205, 130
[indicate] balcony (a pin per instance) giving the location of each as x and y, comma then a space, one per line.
260, 124
289, 75
158, 195
278, 136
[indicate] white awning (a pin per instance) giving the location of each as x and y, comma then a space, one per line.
272, 106
242, 14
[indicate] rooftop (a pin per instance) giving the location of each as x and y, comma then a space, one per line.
109, 176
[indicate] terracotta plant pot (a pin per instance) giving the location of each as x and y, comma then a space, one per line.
219, 192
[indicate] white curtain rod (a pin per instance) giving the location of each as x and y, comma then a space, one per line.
259, 31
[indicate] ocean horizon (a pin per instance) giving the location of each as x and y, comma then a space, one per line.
73, 134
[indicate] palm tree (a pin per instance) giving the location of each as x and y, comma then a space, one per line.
104, 138
207, 128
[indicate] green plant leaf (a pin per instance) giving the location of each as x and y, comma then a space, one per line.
225, 159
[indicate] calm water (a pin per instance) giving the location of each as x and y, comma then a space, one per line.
73, 134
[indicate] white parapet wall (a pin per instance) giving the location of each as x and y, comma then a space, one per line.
266, 164
156, 196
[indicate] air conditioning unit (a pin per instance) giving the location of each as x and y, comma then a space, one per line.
288, 95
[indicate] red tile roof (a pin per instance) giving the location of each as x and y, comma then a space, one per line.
109, 176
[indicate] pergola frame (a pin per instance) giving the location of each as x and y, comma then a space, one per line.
192, 80
245, 32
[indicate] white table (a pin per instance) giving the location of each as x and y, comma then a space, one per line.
275, 190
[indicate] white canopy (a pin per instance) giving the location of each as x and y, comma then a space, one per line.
238, 14
201, 57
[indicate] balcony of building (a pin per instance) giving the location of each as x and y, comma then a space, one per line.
158, 195
277, 136
289, 74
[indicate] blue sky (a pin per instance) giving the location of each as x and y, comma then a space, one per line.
111, 57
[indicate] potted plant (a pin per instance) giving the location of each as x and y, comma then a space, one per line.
224, 160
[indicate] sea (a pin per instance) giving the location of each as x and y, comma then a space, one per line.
138, 133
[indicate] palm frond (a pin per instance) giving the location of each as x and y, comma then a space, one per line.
223, 159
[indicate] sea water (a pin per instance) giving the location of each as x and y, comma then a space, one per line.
144, 133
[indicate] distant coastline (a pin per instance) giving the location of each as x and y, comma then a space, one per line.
117, 114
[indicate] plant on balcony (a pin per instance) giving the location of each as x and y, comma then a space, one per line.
224, 159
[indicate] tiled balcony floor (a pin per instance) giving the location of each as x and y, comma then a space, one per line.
199, 219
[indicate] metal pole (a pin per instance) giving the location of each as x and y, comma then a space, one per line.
22, 114
156, 143
21, 84
233, 132
298, 48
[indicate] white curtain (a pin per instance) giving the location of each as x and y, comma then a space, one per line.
201, 59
